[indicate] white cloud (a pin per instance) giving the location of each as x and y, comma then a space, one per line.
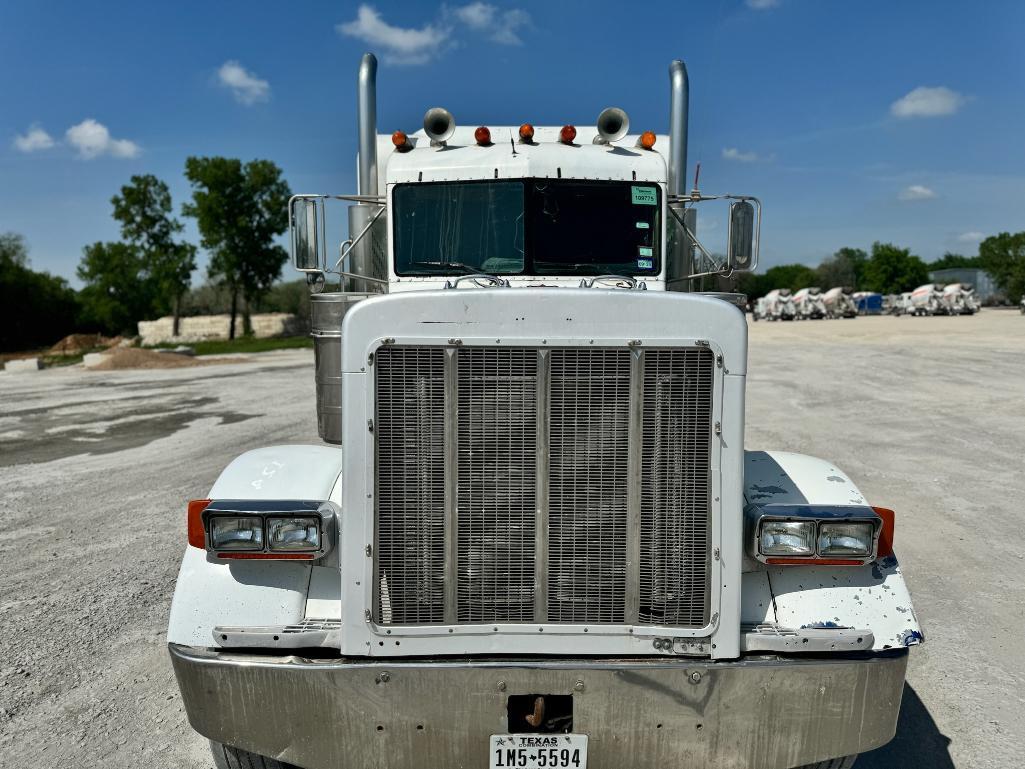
927, 102
917, 192
500, 26
732, 153
761, 5
401, 45
971, 237
92, 139
246, 86
34, 139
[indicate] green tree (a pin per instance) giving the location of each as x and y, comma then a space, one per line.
240, 209
951, 261
36, 308
792, 276
13, 251
1003, 257
144, 210
844, 268
891, 270
118, 290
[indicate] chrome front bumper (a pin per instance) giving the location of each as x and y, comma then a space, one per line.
756, 713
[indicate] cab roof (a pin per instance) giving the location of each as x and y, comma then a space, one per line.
509, 158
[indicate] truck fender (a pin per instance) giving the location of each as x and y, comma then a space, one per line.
873, 597
211, 592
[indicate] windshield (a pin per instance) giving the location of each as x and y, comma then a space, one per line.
527, 227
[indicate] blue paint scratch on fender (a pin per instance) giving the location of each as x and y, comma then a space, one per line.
911, 637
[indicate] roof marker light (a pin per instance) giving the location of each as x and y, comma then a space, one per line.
646, 140
527, 133
482, 136
401, 141
567, 134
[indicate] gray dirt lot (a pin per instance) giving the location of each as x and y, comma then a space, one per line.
927, 415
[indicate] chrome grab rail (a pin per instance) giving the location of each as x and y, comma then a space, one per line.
493, 281
632, 283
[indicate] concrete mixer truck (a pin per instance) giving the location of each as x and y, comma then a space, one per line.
959, 299
532, 536
778, 304
928, 300
839, 304
809, 304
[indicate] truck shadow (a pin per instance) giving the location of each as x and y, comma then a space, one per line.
918, 742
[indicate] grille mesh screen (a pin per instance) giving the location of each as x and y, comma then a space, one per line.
410, 430
567, 412
497, 478
675, 487
590, 412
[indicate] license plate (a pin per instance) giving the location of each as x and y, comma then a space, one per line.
538, 751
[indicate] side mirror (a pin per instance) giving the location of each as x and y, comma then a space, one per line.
305, 219
742, 248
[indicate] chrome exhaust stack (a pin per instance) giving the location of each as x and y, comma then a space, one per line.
679, 99
368, 254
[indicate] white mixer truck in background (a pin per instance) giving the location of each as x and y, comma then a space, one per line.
959, 299
839, 303
544, 545
778, 304
927, 300
809, 304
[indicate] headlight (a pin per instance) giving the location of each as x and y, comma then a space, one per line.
846, 539
782, 538
297, 534
236, 533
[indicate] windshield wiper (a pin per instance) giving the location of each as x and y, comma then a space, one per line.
467, 269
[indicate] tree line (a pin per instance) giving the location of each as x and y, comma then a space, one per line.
888, 269
239, 209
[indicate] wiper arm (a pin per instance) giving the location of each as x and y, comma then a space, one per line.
449, 266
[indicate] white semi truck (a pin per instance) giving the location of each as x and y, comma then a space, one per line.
533, 537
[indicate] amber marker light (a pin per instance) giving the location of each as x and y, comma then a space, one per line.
567, 134
197, 534
401, 141
647, 140
482, 135
527, 132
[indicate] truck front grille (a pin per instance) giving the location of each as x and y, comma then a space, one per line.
562, 485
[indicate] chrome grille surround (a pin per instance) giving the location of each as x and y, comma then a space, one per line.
605, 450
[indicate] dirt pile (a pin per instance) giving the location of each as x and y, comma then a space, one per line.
135, 357
73, 344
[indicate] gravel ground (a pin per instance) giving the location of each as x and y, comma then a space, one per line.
925, 414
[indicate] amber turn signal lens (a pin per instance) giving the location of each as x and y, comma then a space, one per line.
400, 140
197, 534
482, 135
647, 140
567, 134
527, 132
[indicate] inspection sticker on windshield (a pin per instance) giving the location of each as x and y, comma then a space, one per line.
538, 751
643, 225
644, 196
645, 264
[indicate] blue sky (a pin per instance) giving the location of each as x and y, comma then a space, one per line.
896, 121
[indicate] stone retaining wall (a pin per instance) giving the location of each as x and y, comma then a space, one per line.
201, 327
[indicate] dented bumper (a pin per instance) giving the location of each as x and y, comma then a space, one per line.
757, 713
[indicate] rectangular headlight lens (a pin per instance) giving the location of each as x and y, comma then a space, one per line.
846, 539
236, 532
787, 538
295, 534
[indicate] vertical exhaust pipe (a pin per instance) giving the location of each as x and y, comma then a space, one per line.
366, 111
678, 107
